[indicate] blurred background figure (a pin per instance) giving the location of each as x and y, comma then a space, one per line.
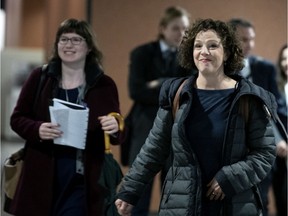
282, 67
280, 169
263, 73
257, 69
150, 65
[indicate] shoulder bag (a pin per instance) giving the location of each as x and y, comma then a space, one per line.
13, 165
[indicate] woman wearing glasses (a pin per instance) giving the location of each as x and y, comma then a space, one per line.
58, 179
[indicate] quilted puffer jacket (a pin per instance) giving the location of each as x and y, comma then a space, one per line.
248, 154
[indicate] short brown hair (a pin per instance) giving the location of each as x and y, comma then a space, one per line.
170, 14
83, 29
231, 45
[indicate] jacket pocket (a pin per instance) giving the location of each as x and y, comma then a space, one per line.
244, 204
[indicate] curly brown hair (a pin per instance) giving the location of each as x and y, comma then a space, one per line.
231, 45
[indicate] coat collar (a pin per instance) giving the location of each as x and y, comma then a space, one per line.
243, 87
92, 71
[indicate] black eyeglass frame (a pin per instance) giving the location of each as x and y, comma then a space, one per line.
73, 40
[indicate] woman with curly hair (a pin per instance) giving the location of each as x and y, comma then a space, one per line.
220, 136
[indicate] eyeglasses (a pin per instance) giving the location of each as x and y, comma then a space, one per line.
74, 40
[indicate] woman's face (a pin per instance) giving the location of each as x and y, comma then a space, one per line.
208, 53
284, 61
72, 48
174, 31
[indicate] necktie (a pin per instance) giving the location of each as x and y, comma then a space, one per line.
168, 58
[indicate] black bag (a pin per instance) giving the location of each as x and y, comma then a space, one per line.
110, 178
111, 174
13, 165
125, 146
12, 171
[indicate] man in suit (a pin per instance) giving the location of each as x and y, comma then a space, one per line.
259, 70
263, 73
150, 65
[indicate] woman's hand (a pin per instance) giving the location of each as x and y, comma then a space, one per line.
109, 124
214, 191
124, 208
49, 131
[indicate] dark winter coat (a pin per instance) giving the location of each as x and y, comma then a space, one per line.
35, 190
247, 155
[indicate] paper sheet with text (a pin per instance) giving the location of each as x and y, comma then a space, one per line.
73, 121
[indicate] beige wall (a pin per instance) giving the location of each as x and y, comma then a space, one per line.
122, 25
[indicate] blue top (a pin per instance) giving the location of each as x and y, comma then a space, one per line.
205, 128
65, 156
68, 185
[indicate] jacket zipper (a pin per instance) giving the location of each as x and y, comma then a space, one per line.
182, 134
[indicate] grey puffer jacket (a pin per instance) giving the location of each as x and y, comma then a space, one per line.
248, 154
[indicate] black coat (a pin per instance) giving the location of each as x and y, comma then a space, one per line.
147, 64
248, 154
263, 74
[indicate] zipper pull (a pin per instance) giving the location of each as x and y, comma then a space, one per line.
269, 116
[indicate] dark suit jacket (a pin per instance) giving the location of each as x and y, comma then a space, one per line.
263, 74
147, 64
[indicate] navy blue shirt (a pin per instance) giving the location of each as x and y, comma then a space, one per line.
68, 185
205, 128
65, 156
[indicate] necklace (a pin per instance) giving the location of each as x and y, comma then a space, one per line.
65, 90
80, 93
66, 94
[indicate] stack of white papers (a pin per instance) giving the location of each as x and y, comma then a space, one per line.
73, 121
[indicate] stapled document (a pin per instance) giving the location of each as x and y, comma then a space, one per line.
73, 121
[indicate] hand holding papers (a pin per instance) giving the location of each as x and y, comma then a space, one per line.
73, 121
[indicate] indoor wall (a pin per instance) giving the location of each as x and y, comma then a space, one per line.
122, 25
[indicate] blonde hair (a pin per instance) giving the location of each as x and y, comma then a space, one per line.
169, 15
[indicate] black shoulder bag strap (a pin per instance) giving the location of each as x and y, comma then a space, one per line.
20, 153
175, 107
42, 77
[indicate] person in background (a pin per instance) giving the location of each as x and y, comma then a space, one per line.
58, 179
221, 138
150, 65
279, 178
282, 78
263, 73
